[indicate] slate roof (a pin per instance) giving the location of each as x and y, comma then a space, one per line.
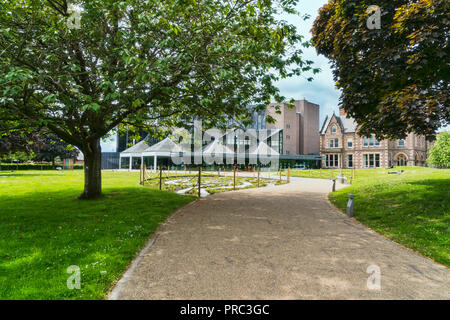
347, 124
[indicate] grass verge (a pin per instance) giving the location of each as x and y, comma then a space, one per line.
44, 229
412, 209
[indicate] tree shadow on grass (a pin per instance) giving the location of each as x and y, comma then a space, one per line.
42, 234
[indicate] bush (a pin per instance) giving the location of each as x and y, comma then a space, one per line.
439, 155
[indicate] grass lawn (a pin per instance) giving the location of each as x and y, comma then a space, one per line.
412, 209
44, 229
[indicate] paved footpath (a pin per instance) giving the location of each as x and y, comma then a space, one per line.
285, 242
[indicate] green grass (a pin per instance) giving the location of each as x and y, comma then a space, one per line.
412, 209
320, 173
44, 229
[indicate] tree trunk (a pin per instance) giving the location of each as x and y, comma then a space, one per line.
92, 170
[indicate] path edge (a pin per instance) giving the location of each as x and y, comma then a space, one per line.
429, 260
116, 290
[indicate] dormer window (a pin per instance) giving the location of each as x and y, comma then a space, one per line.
333, 130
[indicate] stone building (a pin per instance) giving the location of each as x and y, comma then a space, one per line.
342, 147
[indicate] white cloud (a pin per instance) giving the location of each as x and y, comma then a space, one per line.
322, 89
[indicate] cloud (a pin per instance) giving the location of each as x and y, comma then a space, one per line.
322, 89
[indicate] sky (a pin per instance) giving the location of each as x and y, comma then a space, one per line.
320, 91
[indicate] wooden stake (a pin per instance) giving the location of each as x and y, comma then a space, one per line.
234, 179
259, 172
160, 177
144, 175
199, 181
289, 175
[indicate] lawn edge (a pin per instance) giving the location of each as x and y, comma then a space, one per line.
118, 285
397, 243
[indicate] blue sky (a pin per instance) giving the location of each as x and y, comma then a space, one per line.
320, 91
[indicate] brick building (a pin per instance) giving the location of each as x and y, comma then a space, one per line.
342, 147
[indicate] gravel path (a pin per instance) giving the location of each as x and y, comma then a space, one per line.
284, 242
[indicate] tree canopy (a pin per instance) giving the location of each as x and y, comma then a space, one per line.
53, 147
134, 62
439, 154
15, 141
394, 80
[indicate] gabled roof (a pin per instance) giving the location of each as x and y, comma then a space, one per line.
325, 125
138, 147
348, 125
166, 145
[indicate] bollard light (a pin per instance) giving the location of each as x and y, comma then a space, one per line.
350, 205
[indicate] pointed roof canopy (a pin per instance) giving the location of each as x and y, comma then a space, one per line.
166, 145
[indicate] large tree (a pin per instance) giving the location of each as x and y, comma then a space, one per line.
132, 62
394, 80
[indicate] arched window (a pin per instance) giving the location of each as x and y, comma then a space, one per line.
401, 160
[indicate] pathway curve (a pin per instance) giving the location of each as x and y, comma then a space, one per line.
284, 242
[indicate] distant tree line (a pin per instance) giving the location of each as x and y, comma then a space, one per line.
38, 146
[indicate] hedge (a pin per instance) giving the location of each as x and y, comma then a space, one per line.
18, 167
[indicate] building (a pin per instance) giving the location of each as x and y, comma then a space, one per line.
300, 127
229, 150
294, 137
342, 147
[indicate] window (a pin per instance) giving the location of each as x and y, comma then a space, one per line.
350, 142
371, 160
350, 161
124, 163
333, 130
401, 143
288, 137
370, 142
334, 143
288, 126
332, 161
401, 160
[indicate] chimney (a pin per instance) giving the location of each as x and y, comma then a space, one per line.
342, 112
